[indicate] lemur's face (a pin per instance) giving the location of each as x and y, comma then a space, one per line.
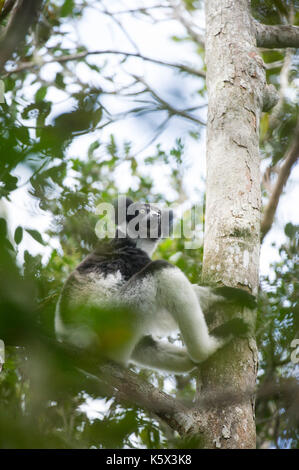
147, 220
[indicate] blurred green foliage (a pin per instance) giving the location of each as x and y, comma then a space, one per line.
275, 11
277, 326
43, 394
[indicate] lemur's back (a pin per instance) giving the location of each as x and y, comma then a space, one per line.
120, 255
99, 277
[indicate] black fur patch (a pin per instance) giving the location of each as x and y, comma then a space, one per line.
150, 268
155, 266
146, 342
236, 327
119, 254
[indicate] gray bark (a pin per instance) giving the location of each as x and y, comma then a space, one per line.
276, 36
237, 92
128, 387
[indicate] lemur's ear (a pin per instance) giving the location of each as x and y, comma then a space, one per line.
121, 205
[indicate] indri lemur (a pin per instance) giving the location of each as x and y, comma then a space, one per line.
156, 296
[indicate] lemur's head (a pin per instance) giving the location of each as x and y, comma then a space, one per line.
145, 223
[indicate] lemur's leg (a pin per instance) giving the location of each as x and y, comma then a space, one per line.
161, 285
163, 356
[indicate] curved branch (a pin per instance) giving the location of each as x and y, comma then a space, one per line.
178, 12
164, 105
129, 387
188, 420
283, 175
276, 36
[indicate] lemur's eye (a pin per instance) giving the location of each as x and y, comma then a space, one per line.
142, 211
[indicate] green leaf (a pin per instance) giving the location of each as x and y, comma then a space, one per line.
67, 8
10, 182
36, 236
96, 144
18, 235
290, 230
22, 134
59, 82
41, 93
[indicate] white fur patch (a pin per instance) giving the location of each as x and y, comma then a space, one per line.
94, 289
147, 245
164, 302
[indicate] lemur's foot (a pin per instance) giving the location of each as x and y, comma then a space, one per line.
237, 296
235, 327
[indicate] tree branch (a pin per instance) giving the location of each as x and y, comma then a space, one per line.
82, 55
187, 419
6, 8
179, 14
276, 36
283, 175
165, 106
23, 15
108, 378
129, 387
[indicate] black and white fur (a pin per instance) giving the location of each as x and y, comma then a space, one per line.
120, 273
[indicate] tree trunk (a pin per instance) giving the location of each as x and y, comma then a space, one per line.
23, 15
237, 90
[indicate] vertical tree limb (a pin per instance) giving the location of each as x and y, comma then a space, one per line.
23, 15
237, 88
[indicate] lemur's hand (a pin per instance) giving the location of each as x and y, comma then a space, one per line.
236, 296
236, 328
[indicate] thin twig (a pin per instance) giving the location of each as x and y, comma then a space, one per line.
179, 14
140, 10
166, 106
82, 55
